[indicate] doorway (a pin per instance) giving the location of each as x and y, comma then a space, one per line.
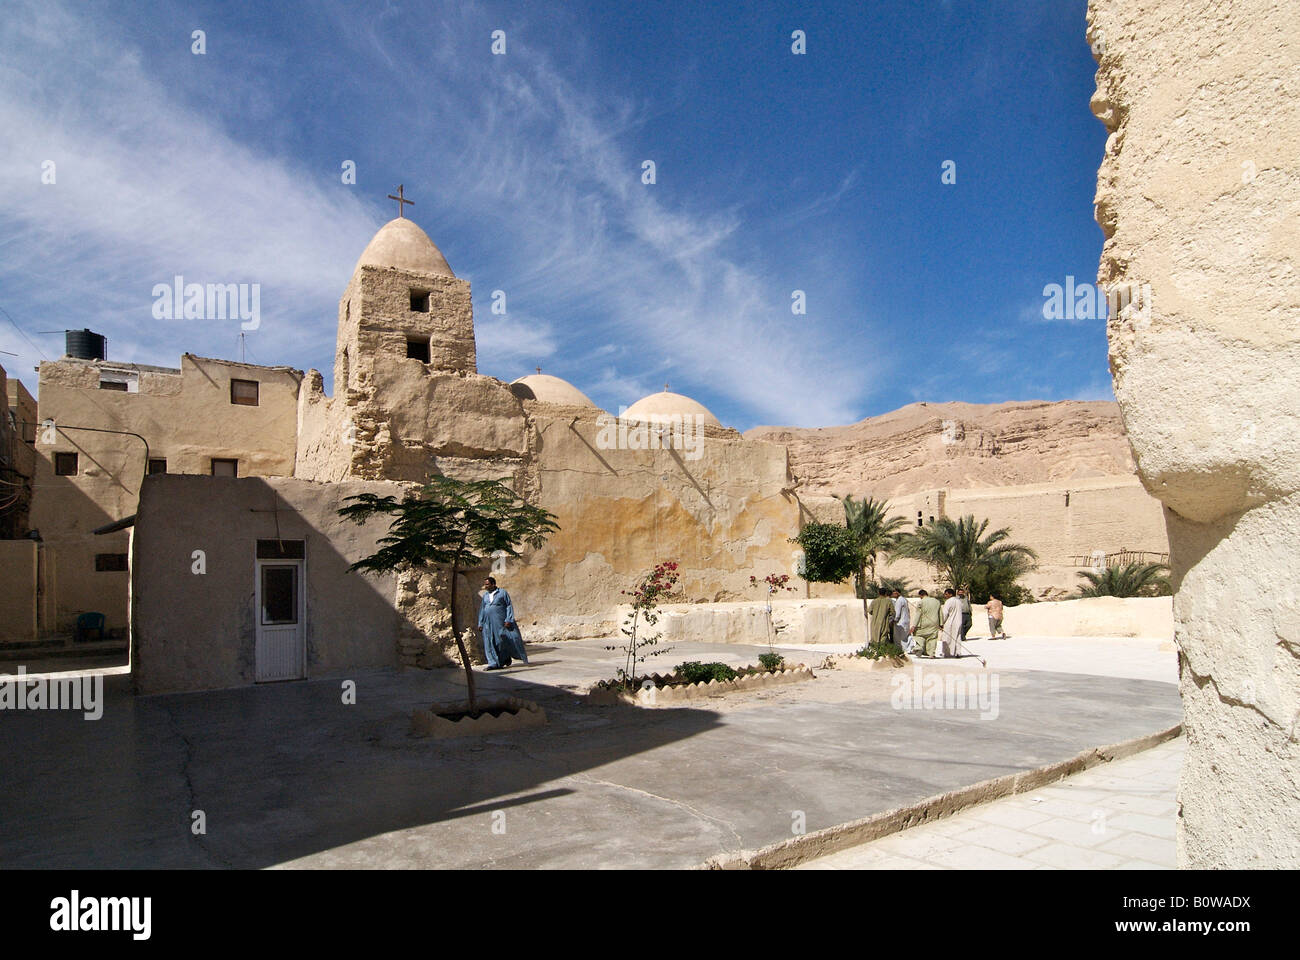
281, 612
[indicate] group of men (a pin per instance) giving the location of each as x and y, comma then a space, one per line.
939, 630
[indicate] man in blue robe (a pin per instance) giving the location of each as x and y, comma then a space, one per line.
502, 642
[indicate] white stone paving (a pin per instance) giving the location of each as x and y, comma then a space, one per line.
1116, 816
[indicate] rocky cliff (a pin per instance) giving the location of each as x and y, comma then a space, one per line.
925, 446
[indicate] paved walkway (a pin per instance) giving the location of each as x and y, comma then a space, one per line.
1117, 816
298, 774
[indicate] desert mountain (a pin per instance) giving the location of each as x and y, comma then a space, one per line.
924, 446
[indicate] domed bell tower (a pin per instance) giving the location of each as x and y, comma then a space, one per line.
403, 307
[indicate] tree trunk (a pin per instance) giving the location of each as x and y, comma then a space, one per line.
460, 645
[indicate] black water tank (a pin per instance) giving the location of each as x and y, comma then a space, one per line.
84, 345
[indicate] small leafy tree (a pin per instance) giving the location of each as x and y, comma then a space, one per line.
874, 532
830, 552
452, 523
646, 595
1127, 580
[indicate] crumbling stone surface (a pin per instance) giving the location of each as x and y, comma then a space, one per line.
926, 446
1198, 196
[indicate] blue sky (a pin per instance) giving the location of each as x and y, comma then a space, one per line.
775, 172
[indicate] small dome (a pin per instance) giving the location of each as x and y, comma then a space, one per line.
665, 404
549, 389
401, 244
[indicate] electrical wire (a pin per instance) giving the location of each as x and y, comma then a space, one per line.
23, 335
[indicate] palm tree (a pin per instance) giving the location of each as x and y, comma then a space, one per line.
885, 585
965, 554
873, 532
1135, 579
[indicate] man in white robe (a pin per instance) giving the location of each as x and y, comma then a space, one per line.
951, 621
902, 623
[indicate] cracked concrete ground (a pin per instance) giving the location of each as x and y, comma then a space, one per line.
288, 774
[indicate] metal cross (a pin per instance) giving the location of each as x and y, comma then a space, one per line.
401, 199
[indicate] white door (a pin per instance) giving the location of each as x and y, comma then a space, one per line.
281, 632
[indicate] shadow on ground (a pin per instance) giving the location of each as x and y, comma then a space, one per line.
290, 773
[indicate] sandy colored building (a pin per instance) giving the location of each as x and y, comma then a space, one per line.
667, 481
104, 426
17, 456
19, 554
1072, 526
234, 473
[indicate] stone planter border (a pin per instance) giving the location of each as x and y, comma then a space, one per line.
427, 723
850, 661
751, 678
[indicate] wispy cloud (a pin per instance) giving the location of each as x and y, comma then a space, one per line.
536, 169
145, 189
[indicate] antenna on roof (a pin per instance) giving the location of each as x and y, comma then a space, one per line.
241, 348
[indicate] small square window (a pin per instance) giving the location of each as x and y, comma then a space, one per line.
225, 468
419, 301
157, 465
65, 464
243, 392
123, 381
417, 348
110, 562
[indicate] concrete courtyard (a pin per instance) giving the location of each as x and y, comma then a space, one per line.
290, 775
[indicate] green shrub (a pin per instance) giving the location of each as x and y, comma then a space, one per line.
881, 651
692, 671
830, 552
771, 661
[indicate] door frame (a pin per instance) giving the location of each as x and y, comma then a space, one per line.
301, 582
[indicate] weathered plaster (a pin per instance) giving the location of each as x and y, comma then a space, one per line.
1198, 196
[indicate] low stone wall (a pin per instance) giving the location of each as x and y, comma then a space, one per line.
806, 621
853, 663
666, 696
1093, 617
519, 715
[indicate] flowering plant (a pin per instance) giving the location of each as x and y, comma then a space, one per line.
775, 582
646, 595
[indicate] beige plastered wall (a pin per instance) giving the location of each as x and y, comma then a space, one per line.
187, 418
1061, 522
195, 631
